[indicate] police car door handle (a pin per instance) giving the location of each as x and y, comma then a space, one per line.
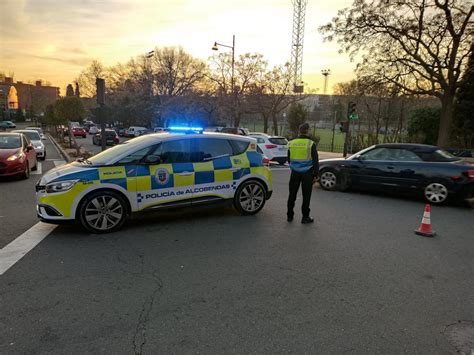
234, 169
185, 173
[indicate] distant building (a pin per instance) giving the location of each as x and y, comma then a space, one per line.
19, 95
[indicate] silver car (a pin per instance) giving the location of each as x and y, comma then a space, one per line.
35, 139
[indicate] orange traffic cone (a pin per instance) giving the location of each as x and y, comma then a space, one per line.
425, 227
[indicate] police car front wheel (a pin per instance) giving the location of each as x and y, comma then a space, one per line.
103, 212
250, 197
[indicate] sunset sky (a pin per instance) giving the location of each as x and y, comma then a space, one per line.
54, 40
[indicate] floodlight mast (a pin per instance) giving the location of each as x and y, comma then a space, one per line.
299, 13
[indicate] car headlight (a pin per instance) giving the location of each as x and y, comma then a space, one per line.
38, 145
14, 157
60, 186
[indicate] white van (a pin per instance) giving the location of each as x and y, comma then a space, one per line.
135, 131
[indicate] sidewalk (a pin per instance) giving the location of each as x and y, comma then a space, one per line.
329, 155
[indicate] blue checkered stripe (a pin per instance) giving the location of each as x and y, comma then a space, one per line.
139, 197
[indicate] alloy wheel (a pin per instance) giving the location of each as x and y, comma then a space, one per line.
436, 193
252, 197
103, 212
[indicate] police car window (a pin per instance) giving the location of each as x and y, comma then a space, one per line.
136, 157
177, 151
239, 146
211, 148
260, 140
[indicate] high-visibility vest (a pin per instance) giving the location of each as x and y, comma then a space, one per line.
300, 154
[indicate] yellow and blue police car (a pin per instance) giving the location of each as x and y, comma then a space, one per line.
179, 168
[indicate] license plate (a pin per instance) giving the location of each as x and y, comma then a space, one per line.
282, 149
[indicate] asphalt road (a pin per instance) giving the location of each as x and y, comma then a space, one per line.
17, 203
210, 281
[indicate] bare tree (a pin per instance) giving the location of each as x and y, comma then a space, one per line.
87, 78
421, 46
248, 73
274, 94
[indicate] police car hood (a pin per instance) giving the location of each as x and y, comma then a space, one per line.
64, 171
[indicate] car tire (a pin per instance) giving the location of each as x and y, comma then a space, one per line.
436, 193
329, 180
43, 157
26, 172
250, 197
102, 212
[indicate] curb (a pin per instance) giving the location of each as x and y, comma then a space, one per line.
65, 155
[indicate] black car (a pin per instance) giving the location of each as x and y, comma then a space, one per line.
419, 168
111, 137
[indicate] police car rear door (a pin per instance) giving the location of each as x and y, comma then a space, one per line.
213, 170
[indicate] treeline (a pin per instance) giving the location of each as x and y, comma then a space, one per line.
170, 85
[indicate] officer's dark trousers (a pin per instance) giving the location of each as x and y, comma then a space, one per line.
306, 181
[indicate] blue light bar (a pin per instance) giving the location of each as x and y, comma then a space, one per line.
185, 129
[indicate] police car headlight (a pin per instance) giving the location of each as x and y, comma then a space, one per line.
60, 186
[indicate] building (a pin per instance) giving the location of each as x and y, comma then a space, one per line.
19, 95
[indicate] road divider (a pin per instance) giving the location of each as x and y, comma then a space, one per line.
60, 150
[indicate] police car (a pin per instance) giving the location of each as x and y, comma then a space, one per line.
179, 168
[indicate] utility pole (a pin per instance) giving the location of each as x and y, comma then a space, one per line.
100, 86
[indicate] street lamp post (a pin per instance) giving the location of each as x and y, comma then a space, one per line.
215, 47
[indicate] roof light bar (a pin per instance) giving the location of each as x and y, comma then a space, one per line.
185, 129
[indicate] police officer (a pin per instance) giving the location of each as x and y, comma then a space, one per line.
304, 165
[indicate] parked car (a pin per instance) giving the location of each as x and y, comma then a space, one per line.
39, 130
35, 140
88, 124
421, 169
7, 124
135, 131
111, 137
159, 130
17, 155
79, 132
93, 130
235, 130
273, 147
120, 131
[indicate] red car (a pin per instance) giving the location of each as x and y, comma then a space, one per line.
17, 155
79, 132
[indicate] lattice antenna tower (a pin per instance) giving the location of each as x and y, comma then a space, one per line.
299, 12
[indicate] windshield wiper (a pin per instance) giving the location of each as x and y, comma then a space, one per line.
84, 160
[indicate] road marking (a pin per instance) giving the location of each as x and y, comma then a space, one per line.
39, 169
18, 248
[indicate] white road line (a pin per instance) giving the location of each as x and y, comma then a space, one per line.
39, 169
18, 248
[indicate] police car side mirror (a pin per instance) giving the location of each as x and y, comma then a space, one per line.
152, 159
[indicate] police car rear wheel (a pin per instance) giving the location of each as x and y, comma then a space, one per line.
103, 212
249, 198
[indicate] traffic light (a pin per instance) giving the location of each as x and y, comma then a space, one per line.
351, 111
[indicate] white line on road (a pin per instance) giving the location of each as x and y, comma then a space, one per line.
18, 248
39, 169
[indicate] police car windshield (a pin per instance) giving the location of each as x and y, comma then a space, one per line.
111, 154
